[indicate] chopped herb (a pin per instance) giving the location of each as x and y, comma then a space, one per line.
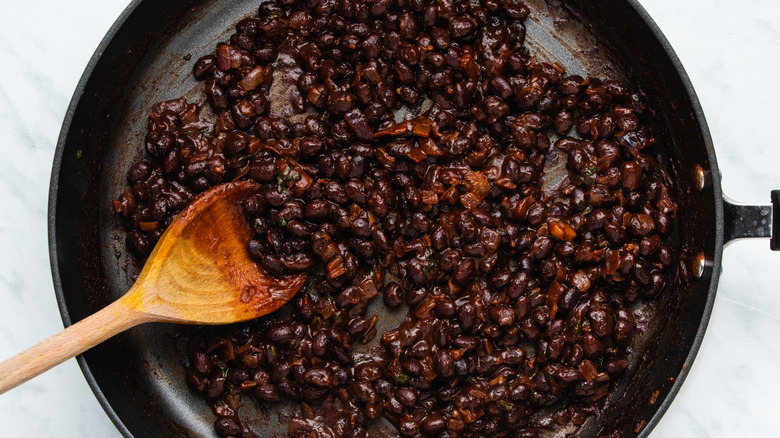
288, 175
431, 261
79, 153
341, 137
505, 405
282, 222
401, 378
586, 176
587, 210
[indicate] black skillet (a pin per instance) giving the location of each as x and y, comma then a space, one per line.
138, 376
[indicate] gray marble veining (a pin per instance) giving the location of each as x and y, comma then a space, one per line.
731, 51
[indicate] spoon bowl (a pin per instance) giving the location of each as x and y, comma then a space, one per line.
200, 272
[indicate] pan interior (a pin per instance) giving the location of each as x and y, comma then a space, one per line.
139, 375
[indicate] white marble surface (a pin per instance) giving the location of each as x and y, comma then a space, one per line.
730, 49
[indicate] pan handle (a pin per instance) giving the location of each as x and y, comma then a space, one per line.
743, 221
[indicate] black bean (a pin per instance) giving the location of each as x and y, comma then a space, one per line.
657, 284
513, 356
466, 315
624, 329
138, 243
640, 224
433, 425
416, 296
495, 107
615, 366
408, 427
226, 426
393, 295
408, 26
320, 377
444, 364
216, 387
445, 307
567, 375
317, 210
662, 222
358, 124
405, 395
542, 248
280, 332
602, 322
464, 269
460, 27
503, 315
521, 392
368, 372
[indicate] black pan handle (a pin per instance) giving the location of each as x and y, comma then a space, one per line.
774, 243
744, 221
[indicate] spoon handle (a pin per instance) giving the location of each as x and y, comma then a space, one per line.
85, 334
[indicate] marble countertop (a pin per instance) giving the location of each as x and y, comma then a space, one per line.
730, 50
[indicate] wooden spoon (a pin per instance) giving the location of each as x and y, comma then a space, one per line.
199, 273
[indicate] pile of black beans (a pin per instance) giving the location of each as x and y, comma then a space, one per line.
406, 161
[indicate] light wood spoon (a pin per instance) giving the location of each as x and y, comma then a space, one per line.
198, 273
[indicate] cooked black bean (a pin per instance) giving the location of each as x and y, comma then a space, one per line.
464, 269
216, 387
280, 332
393, 295
433, 424
227, 426
416, 296
503, 315
138, 243
615, 366
407, 396
602, 322
444, 364
513, 355
460, 27
319, 377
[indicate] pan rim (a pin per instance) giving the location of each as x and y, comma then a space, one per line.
714, 275
649, 22
52, 208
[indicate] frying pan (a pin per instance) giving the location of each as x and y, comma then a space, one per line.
138, 376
